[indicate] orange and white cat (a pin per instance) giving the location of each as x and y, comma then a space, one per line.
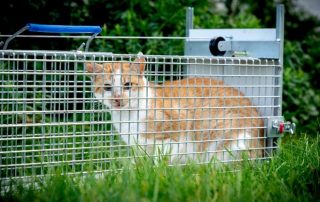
194, 118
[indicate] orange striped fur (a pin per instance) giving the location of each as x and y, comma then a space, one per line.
198, 114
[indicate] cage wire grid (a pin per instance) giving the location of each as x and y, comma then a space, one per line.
51, 118
82, 112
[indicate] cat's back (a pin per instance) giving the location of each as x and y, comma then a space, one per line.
200, 91
196, 87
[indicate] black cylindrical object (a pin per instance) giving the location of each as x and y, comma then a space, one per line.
213, 46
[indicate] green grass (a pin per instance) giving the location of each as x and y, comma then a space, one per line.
292, 175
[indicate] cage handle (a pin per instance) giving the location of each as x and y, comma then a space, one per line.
45, 28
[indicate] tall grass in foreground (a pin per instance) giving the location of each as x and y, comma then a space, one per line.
292, 175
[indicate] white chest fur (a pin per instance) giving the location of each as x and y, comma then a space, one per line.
129, 124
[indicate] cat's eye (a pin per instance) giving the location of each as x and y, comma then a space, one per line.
107, 87
127, 86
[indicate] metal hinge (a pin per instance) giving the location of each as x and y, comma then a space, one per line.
277, 126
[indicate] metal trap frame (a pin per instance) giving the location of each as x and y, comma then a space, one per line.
264, 44
51, 119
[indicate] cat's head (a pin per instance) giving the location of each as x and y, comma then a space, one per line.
119, 85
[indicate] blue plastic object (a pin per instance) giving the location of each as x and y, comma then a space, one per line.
63, 28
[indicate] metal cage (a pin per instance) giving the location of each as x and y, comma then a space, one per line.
51, 117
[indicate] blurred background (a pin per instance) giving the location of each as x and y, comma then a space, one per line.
301, 93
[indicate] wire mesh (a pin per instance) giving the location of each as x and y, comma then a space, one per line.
54, 113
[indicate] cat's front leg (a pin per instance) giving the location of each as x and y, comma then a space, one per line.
161, 149
171, 150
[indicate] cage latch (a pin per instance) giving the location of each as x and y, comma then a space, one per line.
282, 127
278, 126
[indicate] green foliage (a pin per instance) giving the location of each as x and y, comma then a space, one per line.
292, 175
301, 97
301, 84
164, 18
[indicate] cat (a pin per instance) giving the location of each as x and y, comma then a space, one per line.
189, 119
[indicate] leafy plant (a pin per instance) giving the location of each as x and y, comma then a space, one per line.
292, 175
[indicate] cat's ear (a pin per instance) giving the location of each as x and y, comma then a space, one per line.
93, 67
139, 63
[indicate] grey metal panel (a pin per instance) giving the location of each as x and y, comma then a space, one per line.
262, 34
264, 92
256, 49
257, 43
259, 75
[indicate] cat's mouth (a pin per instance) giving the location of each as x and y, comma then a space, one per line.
118, 104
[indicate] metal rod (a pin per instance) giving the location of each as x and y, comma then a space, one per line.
280, 37
189, 21
13, 36
100, 37
280, 29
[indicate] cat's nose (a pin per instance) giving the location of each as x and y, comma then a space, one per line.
117, 98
